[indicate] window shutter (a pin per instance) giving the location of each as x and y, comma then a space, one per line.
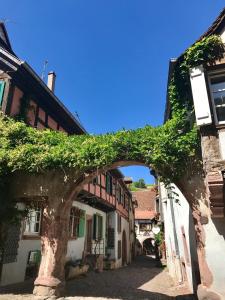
200, 96
107, 182
81, 226
2, 86
222, 144
119, 245
94, 227
100, 223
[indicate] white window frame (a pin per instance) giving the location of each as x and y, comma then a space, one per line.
74, 222
28, 226
213, 75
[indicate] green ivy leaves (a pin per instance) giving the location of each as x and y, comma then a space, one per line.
166, 148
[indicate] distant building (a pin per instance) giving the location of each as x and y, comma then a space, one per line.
145, 216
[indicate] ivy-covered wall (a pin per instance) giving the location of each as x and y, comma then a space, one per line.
167, 149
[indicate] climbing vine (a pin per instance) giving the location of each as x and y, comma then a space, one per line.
167, 149
163, 148
204, 52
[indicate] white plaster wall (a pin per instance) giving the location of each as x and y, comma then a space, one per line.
222, 143
169, 236
182, 218
76, 247
112, 219
118, 236
15, 272
215, 249
132, 235
222, 34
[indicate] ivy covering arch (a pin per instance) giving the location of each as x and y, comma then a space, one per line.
165, 148
168, 149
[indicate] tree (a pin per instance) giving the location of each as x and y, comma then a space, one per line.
140, 184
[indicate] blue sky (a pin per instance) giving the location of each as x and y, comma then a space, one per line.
110, 56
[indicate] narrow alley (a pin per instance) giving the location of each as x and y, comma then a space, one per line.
143, 279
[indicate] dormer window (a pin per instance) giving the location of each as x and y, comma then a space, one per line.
218, 99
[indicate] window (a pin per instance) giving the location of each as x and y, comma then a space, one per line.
33, 222
109, 184
119, 220
218, 93
122, 197
127, 203
157, 205
98, 227
143, 227
113, 186
77, 222
119, 249
2, 87
95, 180
119, 194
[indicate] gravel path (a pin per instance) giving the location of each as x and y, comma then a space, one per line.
143, 280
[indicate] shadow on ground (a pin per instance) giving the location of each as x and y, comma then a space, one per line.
143, 279
128, 283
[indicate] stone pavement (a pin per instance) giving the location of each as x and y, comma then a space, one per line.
143, 280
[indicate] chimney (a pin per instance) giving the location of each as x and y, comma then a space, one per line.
51, 81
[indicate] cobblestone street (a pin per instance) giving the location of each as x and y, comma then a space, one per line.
140, 280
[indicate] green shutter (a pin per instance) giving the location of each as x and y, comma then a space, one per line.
37, 257
81, 226
2, 86
94, 227
100, 227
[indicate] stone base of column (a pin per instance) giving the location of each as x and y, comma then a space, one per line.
205, 293
49, 286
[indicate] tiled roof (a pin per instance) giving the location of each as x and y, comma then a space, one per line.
4, 39
146, 203
216, 25
144, 214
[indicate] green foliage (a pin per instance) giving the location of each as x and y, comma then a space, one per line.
140, 184
204, 52
159, 238
27, 149
167, 149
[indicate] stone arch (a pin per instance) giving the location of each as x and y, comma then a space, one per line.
57, 189
145, 244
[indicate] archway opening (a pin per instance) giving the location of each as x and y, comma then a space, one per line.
95, 223
149, 246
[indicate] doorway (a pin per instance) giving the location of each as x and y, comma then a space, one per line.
89, 235
124, 248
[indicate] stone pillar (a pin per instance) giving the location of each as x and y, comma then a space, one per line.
54, 239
